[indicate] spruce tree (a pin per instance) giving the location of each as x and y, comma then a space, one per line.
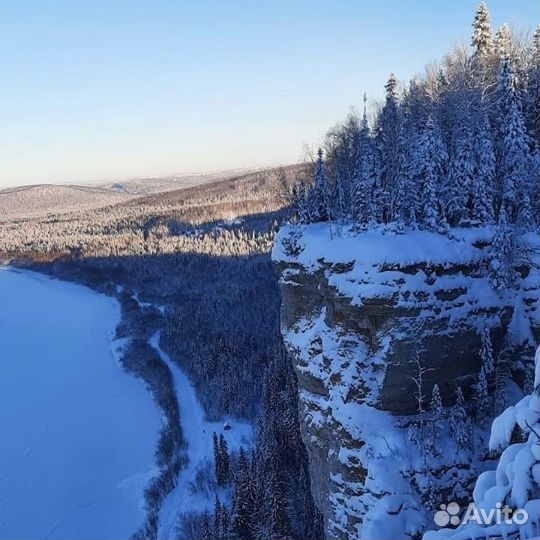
432, 442
481, 398
482, 39
525, 218
460, 424
225, 460
501, 263
319, 201
514, 155
217, 460
225, 525
405, 199
532, 95
436, 405
430, 168
218, 517
483, 182
242, 507
363, 178
277, 524
486, 352
461, 177
300, 201
389, 128
515, 159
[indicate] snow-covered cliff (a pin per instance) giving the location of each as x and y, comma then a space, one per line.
373, 321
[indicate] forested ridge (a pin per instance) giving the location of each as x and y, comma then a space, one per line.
457, 146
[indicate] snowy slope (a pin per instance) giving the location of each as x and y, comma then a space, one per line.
77, 434
198, 433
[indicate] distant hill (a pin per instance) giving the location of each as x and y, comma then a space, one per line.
161, 184
42, 199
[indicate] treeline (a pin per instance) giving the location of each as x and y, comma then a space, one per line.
456, 147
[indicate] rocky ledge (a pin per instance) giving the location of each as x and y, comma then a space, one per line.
362, 314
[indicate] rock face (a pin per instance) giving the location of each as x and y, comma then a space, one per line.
362, 315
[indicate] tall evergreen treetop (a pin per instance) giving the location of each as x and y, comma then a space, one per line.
482, 39
389, 127
319, 202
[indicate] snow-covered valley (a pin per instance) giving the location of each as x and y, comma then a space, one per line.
198, 432
77, 433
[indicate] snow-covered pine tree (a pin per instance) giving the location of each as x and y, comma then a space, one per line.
364, 177
525, 218
461, 178
515, 478
309, 518
482, 38
502, 42
515, 159
218, 514
502, 253
432, 442
430, 167
300, 202
242, 525
514, 153
217, 460
277, 524
483, 184
224, 532
460, 424
225, 460
319, 199
531, 99
405, 199
514, 483
221, 459
482, 400
486, 352
388, 134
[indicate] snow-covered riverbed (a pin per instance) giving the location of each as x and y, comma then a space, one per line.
77, 433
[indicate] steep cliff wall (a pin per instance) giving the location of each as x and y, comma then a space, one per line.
362, 315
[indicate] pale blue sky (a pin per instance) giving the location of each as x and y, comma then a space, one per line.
95, 89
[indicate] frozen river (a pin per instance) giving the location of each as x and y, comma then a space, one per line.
77, 433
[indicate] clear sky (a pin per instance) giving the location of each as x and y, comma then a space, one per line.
103, 89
